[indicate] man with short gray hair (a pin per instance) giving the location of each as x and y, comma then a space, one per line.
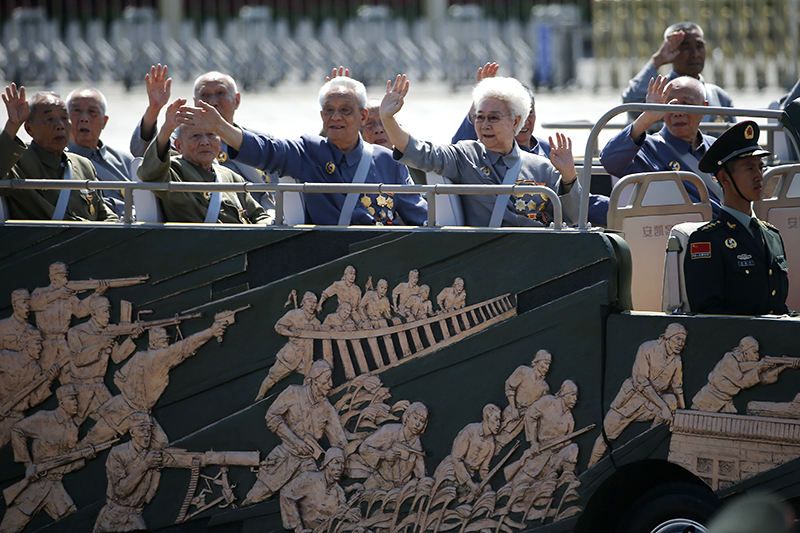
340, 157
685, 49
220, 91
88, 112
47, 121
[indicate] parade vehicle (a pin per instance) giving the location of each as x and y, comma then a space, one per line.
416, 379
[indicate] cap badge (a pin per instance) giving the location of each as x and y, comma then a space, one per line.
748, 133
730, 243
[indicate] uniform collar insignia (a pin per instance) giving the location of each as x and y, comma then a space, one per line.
731, 225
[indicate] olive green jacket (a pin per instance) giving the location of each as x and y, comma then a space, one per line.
193, 206
18, 161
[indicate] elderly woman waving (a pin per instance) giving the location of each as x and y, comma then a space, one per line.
501, 104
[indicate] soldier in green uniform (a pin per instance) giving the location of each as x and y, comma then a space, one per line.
47, 122
736, 264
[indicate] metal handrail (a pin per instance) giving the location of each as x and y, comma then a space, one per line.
586, 178
429, 191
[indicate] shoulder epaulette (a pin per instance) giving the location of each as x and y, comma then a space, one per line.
711, 225
768, 225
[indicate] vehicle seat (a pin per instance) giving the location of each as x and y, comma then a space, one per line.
782, 210
146, 204
673, 297
448, 206
294, 211
658, 202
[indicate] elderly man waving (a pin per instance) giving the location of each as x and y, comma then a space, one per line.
502, 105
341, 157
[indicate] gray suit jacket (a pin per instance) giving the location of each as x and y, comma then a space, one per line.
469, 162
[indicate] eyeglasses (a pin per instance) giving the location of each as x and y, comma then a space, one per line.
492, 118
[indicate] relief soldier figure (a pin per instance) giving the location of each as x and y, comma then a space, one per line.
452, 298
90, 347
404, 291
134, 471
523, 387
54, 306
418, 306
394, 452
473, 449
18, 369
52, 433
315, 497
653, 392
738, 369
143, 379
342, 319
345, 290
550, 461
13, 327
375, 308
297, 354
301, 415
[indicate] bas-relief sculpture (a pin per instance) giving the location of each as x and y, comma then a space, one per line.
46, 442
350, 458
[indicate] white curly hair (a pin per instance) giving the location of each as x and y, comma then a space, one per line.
348, 83
507, 90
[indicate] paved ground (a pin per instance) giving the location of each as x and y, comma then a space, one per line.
432, 111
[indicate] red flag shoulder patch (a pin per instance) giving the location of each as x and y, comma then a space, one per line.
701, 250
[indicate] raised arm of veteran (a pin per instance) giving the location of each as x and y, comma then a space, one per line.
197, 163
340, 157
502, 105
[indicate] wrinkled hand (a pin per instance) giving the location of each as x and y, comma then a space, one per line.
158, 86
171, 119
658, 90
394, 98
489, 70
204, 117
669, 49
337, 73
17, 105
561, 157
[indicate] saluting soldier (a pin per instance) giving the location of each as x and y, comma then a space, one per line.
736, 264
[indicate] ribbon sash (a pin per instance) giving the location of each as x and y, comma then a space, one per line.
361, 175
501, 202
63, 195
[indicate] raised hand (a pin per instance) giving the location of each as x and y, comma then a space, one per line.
658, 90
171, 120
394, 98
17, 108
204, 117
561, 157
158, 86
336, 73
489, 70
669, 49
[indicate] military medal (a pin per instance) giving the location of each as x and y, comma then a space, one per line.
486, 171
390, 203
330, 168
366, 200
674, 165
381, 200
207, 195
532, 205
91, 209
520, 205
730, 243
222, 157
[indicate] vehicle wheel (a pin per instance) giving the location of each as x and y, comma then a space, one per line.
670, 508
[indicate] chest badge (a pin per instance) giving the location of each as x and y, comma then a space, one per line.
674, 165
730, 243
330, 168
744, 257
222, 157
486, 171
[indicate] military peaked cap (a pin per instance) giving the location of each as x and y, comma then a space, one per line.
739, 141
